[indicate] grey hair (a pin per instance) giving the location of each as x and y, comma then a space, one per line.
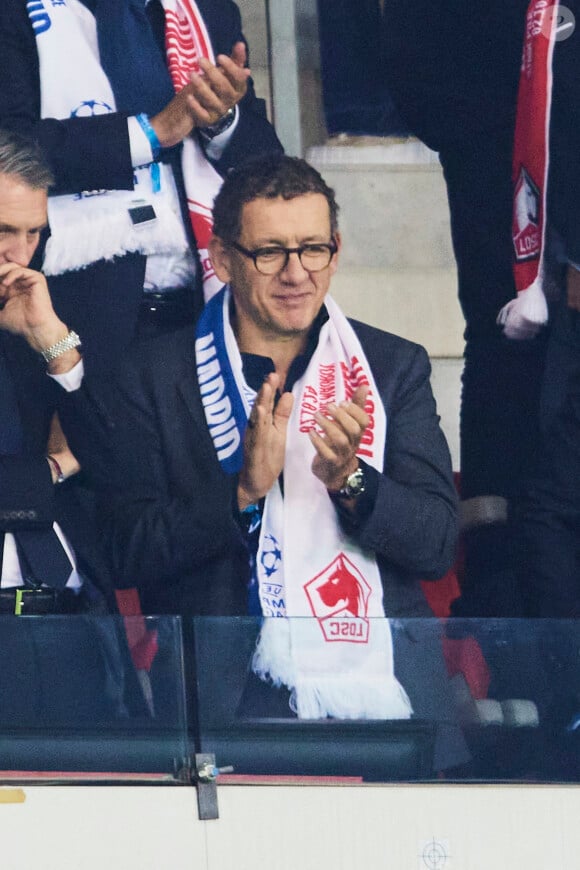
23, 159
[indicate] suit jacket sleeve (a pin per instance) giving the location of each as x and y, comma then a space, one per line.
167, 506
26, 493
84, 153
413, 523
94, 153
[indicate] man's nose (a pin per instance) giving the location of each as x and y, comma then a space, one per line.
18, 251
294, 270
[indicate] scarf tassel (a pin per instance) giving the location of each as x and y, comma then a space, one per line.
354, 696
523, 317
344, 695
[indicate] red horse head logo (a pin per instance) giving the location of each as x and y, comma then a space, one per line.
342, 586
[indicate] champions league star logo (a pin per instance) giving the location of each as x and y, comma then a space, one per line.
89, 108
271, 555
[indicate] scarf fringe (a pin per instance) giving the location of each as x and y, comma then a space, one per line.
272, 660
343, 695
350, 696
99, 233
523, 317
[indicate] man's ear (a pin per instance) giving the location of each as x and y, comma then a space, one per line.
220, 258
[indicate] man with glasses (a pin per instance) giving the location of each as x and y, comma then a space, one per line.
200, 426
279, 459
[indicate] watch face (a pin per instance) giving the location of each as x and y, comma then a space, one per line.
355, 484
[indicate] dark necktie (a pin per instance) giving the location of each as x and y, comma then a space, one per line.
40, 552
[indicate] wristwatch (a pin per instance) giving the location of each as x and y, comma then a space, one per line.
220, 126
70, 341
354, 485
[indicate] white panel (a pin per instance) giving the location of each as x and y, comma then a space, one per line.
437, 827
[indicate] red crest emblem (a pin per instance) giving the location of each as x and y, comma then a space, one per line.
338, 597
526, 218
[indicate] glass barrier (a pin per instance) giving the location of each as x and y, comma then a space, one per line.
89, 698
490, 700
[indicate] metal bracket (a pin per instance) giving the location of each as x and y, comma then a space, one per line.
204, 776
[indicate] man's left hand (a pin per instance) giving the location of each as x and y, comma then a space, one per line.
342, 429
573, 288
205, 99
222, 86
26, 310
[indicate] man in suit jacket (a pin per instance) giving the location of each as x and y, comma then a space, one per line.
50, 560
94, 146
306, 447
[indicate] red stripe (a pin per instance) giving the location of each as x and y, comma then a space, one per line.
530, 157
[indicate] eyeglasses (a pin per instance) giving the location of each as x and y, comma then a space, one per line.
313, 257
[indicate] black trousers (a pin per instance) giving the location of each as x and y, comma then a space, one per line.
355, 91
501, 378
548, 516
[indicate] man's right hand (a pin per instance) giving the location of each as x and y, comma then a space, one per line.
205, 99
264, 443
26, 308
573, 288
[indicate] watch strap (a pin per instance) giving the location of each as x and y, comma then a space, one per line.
70, 341
220, 126
354, 485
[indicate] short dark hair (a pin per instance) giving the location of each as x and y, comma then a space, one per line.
22, 158
268, 177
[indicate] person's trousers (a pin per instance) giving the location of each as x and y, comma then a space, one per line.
548, 515
355, 93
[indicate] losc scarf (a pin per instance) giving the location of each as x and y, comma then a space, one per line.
522, 317
338, 661
95, 225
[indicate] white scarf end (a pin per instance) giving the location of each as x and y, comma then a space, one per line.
272, 661
523, 317
345, 697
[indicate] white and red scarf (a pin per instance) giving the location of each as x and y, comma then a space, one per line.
522, 317
94, 225
333, 648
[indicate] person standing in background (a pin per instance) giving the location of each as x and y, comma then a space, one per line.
453, 70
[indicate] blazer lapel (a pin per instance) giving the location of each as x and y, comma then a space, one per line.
188, 390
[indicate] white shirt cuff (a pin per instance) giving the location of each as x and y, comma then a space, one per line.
141, 153
72, 379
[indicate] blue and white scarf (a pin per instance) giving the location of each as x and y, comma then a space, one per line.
339, 661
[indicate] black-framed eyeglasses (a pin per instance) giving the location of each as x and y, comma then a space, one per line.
314, 257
